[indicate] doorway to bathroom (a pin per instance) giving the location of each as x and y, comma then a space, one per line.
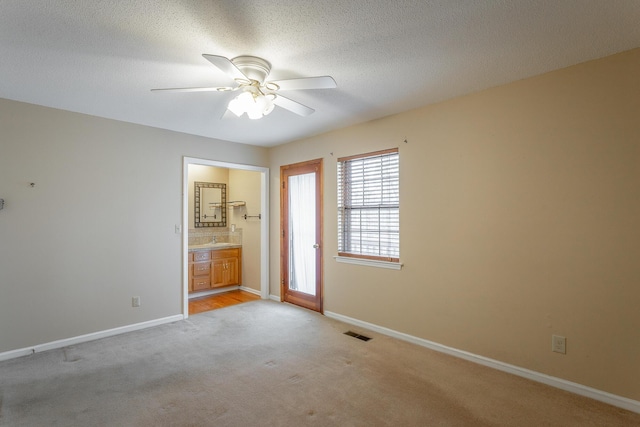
246, 216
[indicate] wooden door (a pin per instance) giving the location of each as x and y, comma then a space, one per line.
301, 234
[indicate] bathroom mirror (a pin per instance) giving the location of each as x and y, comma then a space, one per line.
210, 204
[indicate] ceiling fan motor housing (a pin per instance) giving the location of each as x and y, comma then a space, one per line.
253, 67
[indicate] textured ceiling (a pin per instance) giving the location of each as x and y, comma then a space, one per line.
102, 57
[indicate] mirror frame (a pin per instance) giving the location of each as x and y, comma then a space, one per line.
197, 205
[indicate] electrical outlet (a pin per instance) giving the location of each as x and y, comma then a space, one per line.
135, 302
558, 344
178, 229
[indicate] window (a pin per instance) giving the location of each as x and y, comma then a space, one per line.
369, 206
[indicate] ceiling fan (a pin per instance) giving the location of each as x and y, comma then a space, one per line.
258, 97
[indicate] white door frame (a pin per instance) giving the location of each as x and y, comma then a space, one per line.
264, 223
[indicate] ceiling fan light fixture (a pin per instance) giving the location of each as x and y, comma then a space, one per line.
270, 104
264, 103
255, 105
254, 114
240, 103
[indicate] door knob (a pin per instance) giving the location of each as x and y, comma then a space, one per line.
316, 246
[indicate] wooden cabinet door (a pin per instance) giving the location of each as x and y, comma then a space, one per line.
218, 273
231, 272
225, 272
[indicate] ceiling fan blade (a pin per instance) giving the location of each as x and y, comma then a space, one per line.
194, 89
226, 66
321, 82
293, 106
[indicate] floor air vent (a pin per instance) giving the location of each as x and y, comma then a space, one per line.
355, 335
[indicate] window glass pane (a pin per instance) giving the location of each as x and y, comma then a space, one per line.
302, 233
368, 205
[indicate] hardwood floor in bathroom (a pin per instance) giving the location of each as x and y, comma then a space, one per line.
226, 299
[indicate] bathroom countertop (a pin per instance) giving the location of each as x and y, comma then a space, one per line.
213, 246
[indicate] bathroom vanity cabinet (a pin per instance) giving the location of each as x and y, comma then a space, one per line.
217, 268
225, 266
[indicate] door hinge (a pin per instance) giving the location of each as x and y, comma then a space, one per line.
282, 282
282, 184
283, 234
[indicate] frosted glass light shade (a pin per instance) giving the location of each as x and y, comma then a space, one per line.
241, 103
255, 105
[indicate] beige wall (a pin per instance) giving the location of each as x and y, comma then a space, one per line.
97, 228
245, 185
520, 218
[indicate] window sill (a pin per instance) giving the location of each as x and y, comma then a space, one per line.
368, 262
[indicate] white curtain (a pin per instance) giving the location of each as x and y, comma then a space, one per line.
302, 233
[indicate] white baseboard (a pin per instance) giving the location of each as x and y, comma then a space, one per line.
214, 292
223, 290
602, 396
275, 298
250, 290
88, 337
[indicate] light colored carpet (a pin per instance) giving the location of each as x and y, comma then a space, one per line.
265, 363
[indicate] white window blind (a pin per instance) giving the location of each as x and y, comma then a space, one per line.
369, 206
